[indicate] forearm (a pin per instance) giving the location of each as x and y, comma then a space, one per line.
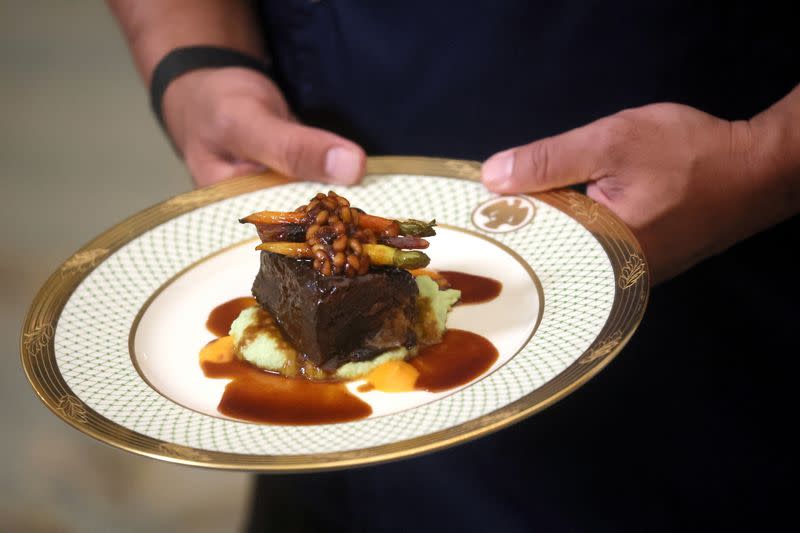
153, 28
772, 145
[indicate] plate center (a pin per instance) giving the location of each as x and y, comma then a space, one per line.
170, 331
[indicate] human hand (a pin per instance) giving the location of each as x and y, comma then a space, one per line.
676, 176
234, 121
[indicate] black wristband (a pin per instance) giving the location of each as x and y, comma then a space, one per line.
186, 59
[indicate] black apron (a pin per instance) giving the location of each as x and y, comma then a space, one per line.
689, 427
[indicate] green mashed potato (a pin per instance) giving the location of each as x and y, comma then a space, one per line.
265, 351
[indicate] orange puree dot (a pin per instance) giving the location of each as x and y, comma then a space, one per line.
393, 376
217, 351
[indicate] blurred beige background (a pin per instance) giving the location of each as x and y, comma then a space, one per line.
79, 151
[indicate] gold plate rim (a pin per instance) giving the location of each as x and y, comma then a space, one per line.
37, 350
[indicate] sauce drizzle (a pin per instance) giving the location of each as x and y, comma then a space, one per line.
461, 357
474, 289
222, 316
259, 396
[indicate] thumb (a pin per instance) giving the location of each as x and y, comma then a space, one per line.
549, 163
298, 151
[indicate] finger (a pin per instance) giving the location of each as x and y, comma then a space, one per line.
566, 159
645, 235
596, 193
208, 168
296, 150
246, 168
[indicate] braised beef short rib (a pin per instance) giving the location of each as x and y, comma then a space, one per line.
337, 319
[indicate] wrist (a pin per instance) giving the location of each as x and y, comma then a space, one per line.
177, 98
774, 160
152, 29
203, 103
751, 180
186, 60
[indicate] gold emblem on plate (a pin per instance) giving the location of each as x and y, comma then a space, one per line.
83, 261
182, 452
602, 349
633, 270
36, 341
72, 408
504, 214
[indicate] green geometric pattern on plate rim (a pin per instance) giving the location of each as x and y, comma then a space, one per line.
91, 337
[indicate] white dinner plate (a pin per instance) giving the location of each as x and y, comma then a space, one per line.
111, 341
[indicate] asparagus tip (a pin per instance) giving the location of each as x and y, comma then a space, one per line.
417, 228
411, 260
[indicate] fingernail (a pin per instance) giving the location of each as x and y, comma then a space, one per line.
343, 165
497, 170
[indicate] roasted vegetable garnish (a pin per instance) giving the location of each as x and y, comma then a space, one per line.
378, 254
340, 239
381, 254
417, 228
273, 217
412, 243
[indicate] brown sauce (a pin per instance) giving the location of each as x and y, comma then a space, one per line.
260, 396
221, 317
265, 324
474, 289
461, 357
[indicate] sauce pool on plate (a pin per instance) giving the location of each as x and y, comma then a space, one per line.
260, 396
222, 316
474, 289
256, 395
461, 357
